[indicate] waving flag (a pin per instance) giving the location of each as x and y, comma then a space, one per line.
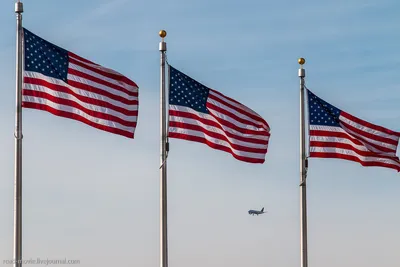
201, 114
337, 134
67, 85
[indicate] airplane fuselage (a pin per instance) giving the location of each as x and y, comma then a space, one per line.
256, 212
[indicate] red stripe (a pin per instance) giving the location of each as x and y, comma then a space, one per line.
96, 90
70, 54
353, 158
222, 95
259, 119
183, 114
113, 76
369, 135
89, 100
77, 106
365, 141
345, 135
78, 118
218, 136
241, 130
323, 133
100, 81
369, 125
350, 147
215, 146
216, 109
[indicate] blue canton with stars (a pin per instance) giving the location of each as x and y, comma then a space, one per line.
184, 91
321, 112
44, 57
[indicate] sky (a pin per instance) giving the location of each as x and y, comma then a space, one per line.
92, 196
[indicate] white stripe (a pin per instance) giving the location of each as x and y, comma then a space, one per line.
225, 128
240, 106
327, 128
80, 91
103, 78
338, 140
77, 112
234, 112
100, 86
92, 107
352, 153
367, 129
217, 141
216, 130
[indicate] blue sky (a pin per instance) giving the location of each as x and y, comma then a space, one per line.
94, 196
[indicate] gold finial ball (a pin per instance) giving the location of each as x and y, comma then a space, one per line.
162, 33
301, 61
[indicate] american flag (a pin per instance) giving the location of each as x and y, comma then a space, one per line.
337, 134
67, 85
201, 114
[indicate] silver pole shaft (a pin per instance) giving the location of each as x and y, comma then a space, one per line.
17, 250
163, 168
303, 175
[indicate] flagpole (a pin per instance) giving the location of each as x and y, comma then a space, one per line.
303, 171
163, 167
17, 249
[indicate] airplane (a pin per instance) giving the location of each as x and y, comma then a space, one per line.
256, 212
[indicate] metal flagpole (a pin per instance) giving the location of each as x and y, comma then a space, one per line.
303, 171
163, 167
17, 250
